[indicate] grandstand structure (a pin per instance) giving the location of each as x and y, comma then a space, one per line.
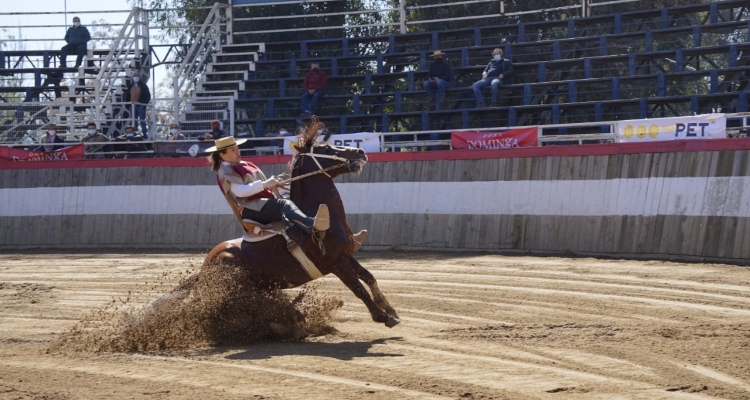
93, 93
574, 76
597, 69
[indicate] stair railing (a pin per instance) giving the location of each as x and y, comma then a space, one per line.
130, 46
206, 42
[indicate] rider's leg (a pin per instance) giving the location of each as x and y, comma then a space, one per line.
275, 208
321, 221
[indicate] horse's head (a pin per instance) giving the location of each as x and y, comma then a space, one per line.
332, 160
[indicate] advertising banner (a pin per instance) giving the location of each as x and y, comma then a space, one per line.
707, 126
496, 139
368, 141
74, 152
181, 149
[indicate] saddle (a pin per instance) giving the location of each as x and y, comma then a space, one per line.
256, 232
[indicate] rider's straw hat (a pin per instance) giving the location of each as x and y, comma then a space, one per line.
224, 143
436, 53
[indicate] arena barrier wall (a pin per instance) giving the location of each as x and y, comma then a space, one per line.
679, 200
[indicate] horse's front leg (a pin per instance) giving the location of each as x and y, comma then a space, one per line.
345, 271
372, 283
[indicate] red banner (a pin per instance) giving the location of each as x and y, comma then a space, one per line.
491, 140
74, 152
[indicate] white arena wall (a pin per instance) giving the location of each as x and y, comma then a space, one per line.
683, 200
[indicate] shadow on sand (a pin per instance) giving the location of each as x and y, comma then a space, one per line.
344, 351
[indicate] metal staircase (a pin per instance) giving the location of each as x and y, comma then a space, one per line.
129, 56
212, 76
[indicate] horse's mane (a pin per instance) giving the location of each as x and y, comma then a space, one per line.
305, 138
307, 134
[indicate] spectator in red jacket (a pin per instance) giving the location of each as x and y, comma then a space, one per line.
315, 87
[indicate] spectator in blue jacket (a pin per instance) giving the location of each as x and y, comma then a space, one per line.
77, 38
498, 72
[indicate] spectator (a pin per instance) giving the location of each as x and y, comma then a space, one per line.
50, 139
130, 132
132, 143
216, 132
174, 132
139, 96
315, 87
498, 72
439, 79
94, 136
282, 132
77, 38
322, 130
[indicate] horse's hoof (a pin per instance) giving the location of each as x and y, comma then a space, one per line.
392, 322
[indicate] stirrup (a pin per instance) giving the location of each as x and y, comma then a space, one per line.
322, 220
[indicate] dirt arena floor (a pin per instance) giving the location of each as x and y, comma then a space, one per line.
474, 326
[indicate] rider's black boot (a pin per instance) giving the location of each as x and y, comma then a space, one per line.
320, 223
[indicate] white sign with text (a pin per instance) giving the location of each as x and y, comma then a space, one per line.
707, 126
369, 141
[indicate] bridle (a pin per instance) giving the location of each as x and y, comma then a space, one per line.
320, 170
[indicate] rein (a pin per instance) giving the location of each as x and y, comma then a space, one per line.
320, 170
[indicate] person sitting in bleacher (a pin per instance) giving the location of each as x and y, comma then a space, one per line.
322, 130
174, 132
216, 132
439, 79
77, 37
498, 72
282, 132
94, 136
131, 142
50, 139
315, 87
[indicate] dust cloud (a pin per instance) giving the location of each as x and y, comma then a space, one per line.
215, 307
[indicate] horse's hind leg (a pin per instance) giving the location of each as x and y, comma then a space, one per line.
372, 283
345, 270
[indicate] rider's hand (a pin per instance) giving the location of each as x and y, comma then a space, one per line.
272, 182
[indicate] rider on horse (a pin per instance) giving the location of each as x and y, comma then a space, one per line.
251, 195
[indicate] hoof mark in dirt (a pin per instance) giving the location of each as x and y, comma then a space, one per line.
571, 389
687, 388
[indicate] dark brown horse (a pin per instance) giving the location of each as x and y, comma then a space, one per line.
270, 263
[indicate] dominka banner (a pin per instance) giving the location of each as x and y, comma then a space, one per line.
74, 152
495, 139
